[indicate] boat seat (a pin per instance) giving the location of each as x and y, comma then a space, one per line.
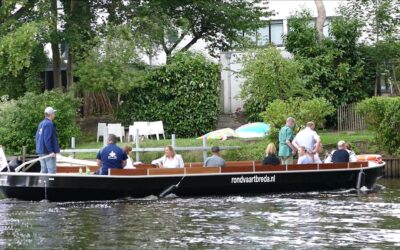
294, 167
75, 169
115, 171
334, 165
237, 169
359, 164
239, 164
166, 171
145, 166
202, 170
263, 168
196, 164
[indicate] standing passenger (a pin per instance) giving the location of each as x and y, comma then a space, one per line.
47, 143
309, 138
215, 160
286, 148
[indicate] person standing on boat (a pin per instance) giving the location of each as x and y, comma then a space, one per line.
215, 160
111, 156
170, 159
47, 143
309, 138
286, 148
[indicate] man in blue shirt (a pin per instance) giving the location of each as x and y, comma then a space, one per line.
47, 143
111, 156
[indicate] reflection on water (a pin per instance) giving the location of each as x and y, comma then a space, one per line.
308, 220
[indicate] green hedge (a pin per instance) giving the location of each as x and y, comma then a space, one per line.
19, 119
382, 115
184, 94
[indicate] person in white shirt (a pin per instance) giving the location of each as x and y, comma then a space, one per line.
353, 156
309, 138
129, 162
170, 159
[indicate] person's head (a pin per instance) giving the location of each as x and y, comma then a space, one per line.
290, 122
271, 149
311, 125
169, 151
348, 146
302, 151
112, 139
50, 113
128, 149
215, 150
341, 145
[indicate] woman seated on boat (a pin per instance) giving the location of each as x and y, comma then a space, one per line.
129, 162
270, 156
170, 159
353, 156
304, 156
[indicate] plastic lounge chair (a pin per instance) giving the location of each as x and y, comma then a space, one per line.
101, 131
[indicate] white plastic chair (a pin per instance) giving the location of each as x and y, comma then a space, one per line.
132, 133
101, 131
117, 130
157, 128
143, 127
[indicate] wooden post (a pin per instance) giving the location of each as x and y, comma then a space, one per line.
173, 141
23, 154
73, 146
204, 149
137, 142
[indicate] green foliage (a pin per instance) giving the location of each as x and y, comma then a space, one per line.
19, 119
112, 65
184, 94
303, 111
214, 21
269, 76
382, 115
333, 68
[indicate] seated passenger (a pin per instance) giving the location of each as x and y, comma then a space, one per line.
170, 159
270, 156
111, 156
129, 162
215, 160
304, 156
339, 155
352, 154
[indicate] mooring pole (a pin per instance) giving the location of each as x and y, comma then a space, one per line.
73, 146
23, 153
137, 141
173, 141
204, 149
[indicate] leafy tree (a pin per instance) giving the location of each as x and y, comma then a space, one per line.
269, 76
183, 23
333, 68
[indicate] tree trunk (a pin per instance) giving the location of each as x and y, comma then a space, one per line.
70, 73
56, 66
319, 25
96, 103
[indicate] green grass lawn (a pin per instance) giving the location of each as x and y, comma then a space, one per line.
251, 149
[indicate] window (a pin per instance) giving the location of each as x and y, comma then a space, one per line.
272, 33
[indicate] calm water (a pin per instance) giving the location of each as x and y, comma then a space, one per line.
308, 221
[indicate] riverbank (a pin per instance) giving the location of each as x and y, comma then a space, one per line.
251, 149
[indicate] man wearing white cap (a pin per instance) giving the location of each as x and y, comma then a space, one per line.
47, 143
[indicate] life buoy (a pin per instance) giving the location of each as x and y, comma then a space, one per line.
370, 157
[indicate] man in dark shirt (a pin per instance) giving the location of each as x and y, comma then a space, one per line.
341, 154
47, 143
111, 156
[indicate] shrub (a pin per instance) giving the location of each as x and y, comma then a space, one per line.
19, 119
382, 115
269, 76
184, 94
278, 111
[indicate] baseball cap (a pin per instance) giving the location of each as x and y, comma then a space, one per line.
49, 111
215, 149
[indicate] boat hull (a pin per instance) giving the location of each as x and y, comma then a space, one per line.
67, 187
